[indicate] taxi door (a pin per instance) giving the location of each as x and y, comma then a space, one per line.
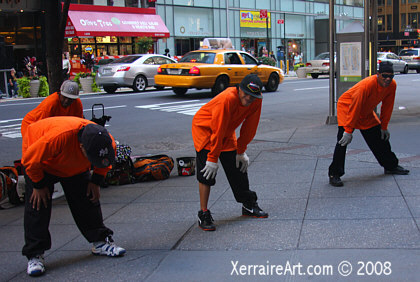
234, 67
251, 66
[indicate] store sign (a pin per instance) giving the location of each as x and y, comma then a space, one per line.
252, 19
87, 23
280, 21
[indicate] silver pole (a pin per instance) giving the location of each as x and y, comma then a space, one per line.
227, 18
332, 119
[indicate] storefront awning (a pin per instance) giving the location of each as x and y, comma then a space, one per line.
88, 23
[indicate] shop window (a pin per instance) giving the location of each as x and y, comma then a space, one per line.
412, 19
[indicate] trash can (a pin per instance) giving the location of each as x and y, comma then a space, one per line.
186, 166
301, 72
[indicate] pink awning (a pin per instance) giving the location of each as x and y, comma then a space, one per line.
88, 23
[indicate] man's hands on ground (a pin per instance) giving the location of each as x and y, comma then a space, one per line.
346, 139
210, 170
242, 162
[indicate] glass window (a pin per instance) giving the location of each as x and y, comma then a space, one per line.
149, 61
126, 60
162, 60
412, 19
232, 58
403, 21
381, 23
248, 59
389, 22
199, 57
247, 4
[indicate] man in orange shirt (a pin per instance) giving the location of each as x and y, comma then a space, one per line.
63, 149
355, 110
66, 102
213, 132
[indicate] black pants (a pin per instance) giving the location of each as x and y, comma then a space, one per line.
380, 148
87, 215
238, 181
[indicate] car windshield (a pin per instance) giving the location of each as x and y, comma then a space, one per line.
126, 60
408, 53
323, 56
198, 57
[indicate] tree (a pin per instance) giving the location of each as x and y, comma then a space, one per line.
143, 44
55, 16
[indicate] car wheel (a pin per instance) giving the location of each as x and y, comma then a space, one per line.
179, 91
110, 89
272, 83
222, 82
159, 87
140, 83
314, 75
405, 71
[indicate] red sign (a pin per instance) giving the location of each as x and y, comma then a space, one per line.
263, 14
280, 21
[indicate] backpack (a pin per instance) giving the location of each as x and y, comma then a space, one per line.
8, 187
122, 171
156, 167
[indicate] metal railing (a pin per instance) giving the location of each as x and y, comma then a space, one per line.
6, 85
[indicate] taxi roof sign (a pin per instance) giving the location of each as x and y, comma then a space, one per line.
216, 43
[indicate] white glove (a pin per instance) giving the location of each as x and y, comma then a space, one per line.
385, 134
242, 161
210, 170
346, 139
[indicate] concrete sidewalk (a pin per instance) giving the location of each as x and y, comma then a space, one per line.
315, 232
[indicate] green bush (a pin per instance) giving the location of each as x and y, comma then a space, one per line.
79, 75
295, 67
44, 88
23, 84
267, 61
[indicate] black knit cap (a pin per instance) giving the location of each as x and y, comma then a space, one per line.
386, 66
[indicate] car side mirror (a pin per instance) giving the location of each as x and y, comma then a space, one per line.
259, 62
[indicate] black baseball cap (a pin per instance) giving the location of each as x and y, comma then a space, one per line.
386, 66
98, 145
252, 85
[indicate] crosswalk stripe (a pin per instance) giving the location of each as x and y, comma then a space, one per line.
185, 107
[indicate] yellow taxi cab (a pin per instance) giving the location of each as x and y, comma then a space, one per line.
215, 69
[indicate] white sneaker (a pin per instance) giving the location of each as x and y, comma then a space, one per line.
36, 266
58, 191
107, 248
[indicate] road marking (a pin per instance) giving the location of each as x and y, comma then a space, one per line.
11, 130
185, 107
303, 89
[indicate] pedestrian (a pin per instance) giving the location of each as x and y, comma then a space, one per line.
63, 149
356, 110
213, 132
12, 81
66, 67
167, 53
65, 102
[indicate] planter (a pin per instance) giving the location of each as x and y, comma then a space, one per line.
34, 88
86, 83
301, 72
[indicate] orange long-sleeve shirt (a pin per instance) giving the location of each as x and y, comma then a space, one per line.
51, 107
355, 107
214, 125
54, 147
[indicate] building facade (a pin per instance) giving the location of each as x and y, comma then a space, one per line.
292, 26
